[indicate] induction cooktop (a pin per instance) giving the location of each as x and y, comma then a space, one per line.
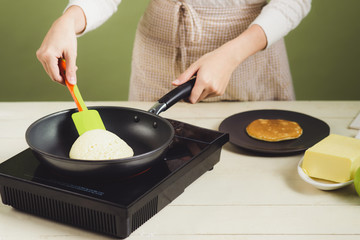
115, 206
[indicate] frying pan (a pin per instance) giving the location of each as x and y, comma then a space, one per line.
51, 137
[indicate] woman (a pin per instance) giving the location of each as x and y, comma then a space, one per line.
236, 47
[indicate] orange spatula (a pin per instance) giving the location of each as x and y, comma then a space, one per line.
85, 119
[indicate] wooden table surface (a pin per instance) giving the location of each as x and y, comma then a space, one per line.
245, 197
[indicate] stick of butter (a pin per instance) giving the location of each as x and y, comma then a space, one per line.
335, 158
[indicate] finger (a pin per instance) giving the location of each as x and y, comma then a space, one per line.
185, 76
196, 92
70, 68
206, 94
208, 89
53, 70
45, 60
46, 69
211, 92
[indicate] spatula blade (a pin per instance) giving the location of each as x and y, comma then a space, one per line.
87, 120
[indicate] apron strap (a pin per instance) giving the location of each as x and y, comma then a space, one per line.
195, 29
195, 24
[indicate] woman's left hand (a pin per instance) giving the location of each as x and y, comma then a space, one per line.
215, 68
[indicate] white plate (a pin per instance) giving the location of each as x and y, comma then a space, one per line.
318, 183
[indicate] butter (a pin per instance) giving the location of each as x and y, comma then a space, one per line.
335, 158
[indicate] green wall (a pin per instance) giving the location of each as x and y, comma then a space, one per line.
323, 51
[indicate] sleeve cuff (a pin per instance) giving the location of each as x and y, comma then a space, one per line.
96, 12
274, 24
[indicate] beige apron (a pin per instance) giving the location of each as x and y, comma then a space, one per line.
173, 34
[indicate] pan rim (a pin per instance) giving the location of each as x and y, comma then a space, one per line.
135, 158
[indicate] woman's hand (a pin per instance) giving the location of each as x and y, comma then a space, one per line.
215, 68
213, 71
61, 42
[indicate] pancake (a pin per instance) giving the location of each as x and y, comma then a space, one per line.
99, 144
274, 130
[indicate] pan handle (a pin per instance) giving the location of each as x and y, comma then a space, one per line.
181, 92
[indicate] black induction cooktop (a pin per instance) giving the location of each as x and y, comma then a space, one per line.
111, 206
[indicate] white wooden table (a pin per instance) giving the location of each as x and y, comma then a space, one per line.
244, 197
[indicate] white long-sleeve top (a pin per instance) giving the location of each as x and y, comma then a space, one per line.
277, 18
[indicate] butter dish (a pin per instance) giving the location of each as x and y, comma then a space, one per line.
319, 183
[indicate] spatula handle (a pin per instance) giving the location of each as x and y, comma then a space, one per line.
74, 90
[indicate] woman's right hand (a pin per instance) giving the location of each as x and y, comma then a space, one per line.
61, 42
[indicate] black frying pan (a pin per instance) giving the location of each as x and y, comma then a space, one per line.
52, 136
